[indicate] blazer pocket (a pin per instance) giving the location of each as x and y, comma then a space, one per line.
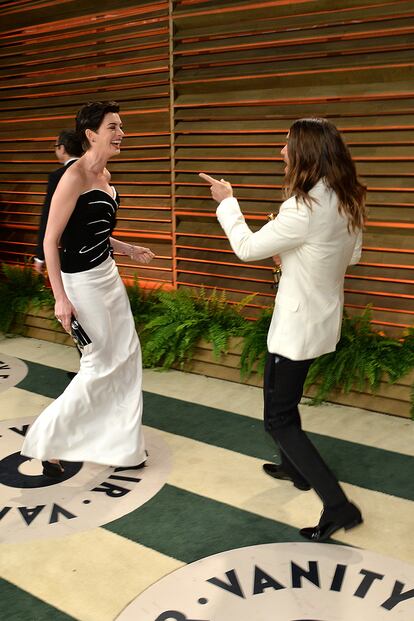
287, 302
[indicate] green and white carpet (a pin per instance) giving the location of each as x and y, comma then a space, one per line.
86, 547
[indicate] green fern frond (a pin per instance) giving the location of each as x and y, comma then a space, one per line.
143, 302
363, 358
253, 356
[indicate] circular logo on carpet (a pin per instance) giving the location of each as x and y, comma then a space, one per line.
33, 506
12, 371
283, 581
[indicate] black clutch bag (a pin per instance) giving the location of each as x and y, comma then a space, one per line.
78, 334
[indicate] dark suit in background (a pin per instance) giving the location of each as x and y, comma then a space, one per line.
52, 183
68, 148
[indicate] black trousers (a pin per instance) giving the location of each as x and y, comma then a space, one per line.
283, 389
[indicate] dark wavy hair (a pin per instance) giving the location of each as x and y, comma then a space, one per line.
90, 116
316, 151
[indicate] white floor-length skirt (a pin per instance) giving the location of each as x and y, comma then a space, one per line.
98, 416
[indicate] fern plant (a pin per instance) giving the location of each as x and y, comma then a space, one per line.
362, 357
184, 318
19, 287
144, 302
253, 356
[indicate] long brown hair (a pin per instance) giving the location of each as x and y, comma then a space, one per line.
316, 151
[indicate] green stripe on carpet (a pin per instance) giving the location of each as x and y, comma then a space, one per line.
16, 605
367, 467
188, 527
44, 380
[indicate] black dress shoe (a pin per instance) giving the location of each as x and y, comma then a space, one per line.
54, 471
278, 473
331, 520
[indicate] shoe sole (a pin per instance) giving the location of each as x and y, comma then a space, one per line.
303, 487
53, 474
356, 522
330, 532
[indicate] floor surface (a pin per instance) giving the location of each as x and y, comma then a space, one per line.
202, 492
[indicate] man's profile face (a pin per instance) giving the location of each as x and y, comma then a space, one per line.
60, 151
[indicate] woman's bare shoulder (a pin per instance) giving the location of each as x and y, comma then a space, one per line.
72, 183
76, 171
77, 176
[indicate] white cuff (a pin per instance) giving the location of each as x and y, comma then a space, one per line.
227, 204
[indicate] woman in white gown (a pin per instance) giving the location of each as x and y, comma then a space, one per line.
98, 417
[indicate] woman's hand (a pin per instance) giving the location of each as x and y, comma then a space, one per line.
141, 254
219, 189
64, 310
38, 266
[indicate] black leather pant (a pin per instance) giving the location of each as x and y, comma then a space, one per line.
283, 389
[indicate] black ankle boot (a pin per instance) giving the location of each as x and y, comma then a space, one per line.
347, 516
277, 472
54, 471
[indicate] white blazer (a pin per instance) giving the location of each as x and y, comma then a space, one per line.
315, 249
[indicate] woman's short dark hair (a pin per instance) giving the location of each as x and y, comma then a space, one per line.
90, 116
70, 139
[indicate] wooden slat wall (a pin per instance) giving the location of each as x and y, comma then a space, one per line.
214, 86
61, 55
243, 72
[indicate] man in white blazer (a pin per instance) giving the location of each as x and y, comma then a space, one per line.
316, 235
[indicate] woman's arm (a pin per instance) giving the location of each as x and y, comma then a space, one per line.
61, 208
137, 253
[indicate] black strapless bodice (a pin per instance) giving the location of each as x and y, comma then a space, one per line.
85, 240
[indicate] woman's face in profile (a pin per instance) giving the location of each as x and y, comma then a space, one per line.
109, 135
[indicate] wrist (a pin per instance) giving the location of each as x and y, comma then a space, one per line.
61, 297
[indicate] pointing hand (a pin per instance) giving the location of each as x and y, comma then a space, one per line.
219, 189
